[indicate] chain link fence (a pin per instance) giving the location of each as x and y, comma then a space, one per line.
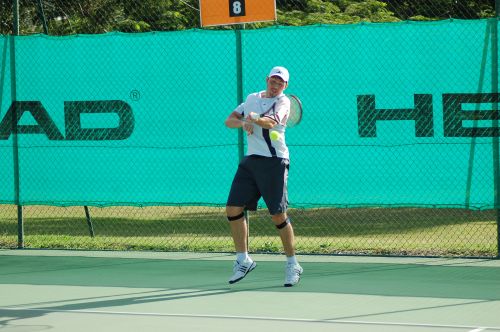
378, 209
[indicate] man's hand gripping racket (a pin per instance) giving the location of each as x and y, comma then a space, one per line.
293, 118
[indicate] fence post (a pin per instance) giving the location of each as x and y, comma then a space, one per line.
41, 14
15, 143
239, 88
494, 84
239, 94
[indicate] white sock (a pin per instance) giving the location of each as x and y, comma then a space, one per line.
241, 256
292, 260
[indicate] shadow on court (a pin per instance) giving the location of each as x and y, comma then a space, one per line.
446, 280
168, 281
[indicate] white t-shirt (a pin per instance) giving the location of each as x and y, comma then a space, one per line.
260, 143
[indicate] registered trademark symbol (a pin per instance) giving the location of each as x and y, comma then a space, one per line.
135, 95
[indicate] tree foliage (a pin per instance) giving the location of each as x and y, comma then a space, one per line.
99, 16
441, 9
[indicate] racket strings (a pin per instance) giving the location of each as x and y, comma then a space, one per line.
295, 114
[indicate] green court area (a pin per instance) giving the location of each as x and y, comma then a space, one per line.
148, 291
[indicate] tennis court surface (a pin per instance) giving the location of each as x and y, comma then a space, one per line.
44, 290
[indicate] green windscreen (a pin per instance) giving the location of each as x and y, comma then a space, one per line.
395, 114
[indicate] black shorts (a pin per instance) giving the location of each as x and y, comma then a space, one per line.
259, 176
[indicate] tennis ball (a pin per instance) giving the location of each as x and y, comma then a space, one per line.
275, 135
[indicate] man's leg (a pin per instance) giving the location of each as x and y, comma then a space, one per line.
238, 225
239, 230
286, 233
293, 269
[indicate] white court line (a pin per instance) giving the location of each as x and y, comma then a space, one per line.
263, 318
257, 257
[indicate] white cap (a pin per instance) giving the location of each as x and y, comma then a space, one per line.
280, 72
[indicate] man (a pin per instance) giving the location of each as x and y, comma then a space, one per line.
263, 172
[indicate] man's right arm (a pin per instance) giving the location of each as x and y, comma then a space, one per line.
234, 120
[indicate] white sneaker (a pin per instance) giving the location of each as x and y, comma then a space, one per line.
240, 270
292, 274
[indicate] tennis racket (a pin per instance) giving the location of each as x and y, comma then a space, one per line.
294, 116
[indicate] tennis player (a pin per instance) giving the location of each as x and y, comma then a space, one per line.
262, 173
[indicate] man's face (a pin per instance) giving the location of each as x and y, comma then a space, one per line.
275, 86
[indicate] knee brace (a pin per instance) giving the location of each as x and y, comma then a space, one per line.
284, 223
237, 217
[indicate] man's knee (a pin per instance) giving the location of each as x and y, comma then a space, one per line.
234, 213
281, 220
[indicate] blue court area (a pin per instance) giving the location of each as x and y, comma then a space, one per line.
43, 290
